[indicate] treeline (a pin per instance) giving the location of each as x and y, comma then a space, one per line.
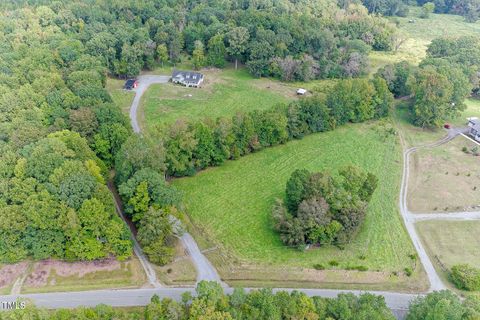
469, 9
210, 303
271, 38
193, 146
321, 208
439, 86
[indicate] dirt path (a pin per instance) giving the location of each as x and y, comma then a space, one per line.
147, 267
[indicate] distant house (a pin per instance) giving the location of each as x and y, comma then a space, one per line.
301, 92
130, 84
187, 78
474, 128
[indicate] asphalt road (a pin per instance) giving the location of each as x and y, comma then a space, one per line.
398, 302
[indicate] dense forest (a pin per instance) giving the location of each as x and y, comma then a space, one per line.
210, 303
60, 133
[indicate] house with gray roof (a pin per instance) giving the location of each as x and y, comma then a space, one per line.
474, 128
187, 78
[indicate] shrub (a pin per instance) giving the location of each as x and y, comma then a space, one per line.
465, 277
408, 271
319, 266
333, 263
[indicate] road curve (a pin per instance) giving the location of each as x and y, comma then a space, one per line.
143, 83
205, 270
409, 219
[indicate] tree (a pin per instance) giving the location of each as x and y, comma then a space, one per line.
156, 236
427, 9
465, 277
295, 190
237, 40
437, 305
433, 98
198, 55
162, 53
216, 51
140, 201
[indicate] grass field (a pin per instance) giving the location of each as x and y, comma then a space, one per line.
449, 243
453, 242
223, 93
419, 34
444, 178
180, 272
231, 204
122, 98
45, 279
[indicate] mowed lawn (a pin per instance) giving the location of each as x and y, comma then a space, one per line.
445, 178
232, 203
451, 242
223, 93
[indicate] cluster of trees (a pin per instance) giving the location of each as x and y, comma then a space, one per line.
193, 146
54, 202
441, 83
321, 208
59, 132
465, 277
211, 303
387, 7
469, 9
129, 37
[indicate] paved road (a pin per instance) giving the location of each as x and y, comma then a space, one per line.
143, 83
398, 302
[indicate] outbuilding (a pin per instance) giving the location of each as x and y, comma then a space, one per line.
130, 84
301, 92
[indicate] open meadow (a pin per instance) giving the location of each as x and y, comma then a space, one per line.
231, 206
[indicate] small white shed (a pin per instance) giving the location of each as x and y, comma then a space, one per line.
301, 91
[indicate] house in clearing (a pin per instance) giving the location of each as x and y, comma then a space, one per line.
187, 78
474, 128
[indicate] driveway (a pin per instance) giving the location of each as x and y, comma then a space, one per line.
143, 83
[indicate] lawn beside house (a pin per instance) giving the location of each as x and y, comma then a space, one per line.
223, 93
